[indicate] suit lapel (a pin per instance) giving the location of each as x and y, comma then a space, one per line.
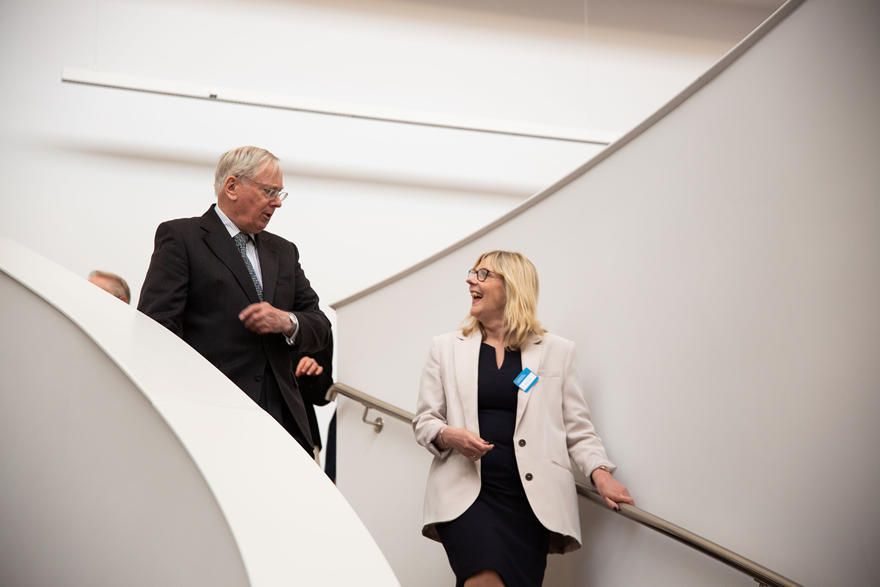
531, 355
217, 239
268, 265
467, 361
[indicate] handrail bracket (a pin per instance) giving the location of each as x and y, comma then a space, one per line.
377, 424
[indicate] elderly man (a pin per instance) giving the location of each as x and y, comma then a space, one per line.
112, 284
236, 293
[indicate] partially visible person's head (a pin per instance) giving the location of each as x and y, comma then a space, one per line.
112, 284
511, 287
249, 187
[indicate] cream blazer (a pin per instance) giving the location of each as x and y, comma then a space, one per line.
552, 424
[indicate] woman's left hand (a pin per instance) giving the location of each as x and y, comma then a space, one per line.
612, 491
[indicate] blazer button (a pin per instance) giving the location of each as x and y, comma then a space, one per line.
528, 476
258, 377
522, 442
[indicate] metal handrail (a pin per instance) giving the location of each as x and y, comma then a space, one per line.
759, 573
369, 401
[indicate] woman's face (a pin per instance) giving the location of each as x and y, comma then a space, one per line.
487, 297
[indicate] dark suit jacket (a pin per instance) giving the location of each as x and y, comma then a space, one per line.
197, 284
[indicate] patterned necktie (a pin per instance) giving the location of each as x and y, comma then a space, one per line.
241, 240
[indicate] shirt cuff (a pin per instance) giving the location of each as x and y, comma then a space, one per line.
292, 338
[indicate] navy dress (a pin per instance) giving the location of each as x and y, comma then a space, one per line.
499, 531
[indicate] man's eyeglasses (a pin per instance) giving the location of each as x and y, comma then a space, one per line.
481, 274
268, 191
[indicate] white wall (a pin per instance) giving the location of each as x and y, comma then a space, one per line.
97, 169
720, 276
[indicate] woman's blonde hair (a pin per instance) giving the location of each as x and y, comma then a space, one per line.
521, 289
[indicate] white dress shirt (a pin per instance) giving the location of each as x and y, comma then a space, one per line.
251, 248
251, 252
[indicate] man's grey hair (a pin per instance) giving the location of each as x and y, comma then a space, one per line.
245, 161
119, 286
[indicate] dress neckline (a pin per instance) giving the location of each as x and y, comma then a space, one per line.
507, 352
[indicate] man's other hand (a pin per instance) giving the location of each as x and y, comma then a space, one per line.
308, 366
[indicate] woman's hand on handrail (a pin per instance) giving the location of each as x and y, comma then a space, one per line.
464, 441
612, 491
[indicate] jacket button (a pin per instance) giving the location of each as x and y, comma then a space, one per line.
258, 377
528, 476
522, 442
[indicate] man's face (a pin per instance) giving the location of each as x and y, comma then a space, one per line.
251, 208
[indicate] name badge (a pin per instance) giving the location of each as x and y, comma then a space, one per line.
526, 380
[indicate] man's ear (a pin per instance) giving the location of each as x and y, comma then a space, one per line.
229, 186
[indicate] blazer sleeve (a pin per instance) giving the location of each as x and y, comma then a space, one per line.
163, 295
314, 327
584, 444
431, 407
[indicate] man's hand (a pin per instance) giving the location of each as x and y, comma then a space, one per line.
308, 366
264, 318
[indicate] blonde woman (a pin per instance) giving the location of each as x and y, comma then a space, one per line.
502, 411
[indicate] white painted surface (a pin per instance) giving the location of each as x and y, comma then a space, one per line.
383, 480
129, 459
723, 294
104, 167
96, 170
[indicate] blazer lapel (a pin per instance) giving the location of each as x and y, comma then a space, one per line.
531, 355
217, 239
268, 266
467, 361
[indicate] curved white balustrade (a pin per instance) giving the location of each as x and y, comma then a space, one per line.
127, 459
719, 269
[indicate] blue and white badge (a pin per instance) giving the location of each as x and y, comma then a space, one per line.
526, 380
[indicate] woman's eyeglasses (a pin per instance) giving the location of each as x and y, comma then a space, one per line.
481, 274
